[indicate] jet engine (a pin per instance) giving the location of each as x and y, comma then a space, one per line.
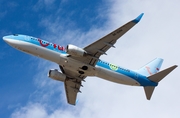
56, 75
75, 51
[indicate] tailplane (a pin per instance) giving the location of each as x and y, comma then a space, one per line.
160, 75
157, 77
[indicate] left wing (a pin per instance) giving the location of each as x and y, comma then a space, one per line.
98, 48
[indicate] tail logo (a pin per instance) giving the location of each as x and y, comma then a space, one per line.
148, 70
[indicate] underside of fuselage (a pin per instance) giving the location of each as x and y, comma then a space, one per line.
71, 64
115, 77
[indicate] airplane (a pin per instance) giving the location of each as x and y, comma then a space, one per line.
77, 63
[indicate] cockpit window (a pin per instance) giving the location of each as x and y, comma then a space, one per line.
15, 34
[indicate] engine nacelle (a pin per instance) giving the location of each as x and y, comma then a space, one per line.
56, 75
75, 51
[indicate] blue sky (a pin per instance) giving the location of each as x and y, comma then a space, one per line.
25, 89
17, 85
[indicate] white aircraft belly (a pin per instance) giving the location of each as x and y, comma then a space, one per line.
75, 66
72, 64
115, 77
51, 55
36, 50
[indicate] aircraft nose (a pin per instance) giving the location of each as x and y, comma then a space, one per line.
8, 39
5, 38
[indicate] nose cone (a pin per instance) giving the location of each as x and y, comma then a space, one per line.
6, 39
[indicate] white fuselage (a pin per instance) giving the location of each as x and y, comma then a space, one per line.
71, 64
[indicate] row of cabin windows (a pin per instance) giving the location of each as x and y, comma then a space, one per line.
114, 66
41, 40
107, 63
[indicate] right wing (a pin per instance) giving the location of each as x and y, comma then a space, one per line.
72, 84
72, 87
99, 47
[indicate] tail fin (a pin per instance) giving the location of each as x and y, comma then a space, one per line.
151, 68
157, 78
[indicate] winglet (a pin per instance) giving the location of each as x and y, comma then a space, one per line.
138, 18
77, 100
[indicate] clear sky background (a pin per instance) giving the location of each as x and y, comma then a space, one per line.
27, 92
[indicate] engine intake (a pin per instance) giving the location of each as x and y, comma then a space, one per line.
75, 51
56, 75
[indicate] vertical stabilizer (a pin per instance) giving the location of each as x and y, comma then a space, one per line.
151, 68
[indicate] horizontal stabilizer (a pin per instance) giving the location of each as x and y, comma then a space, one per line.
149, 91
160, 75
